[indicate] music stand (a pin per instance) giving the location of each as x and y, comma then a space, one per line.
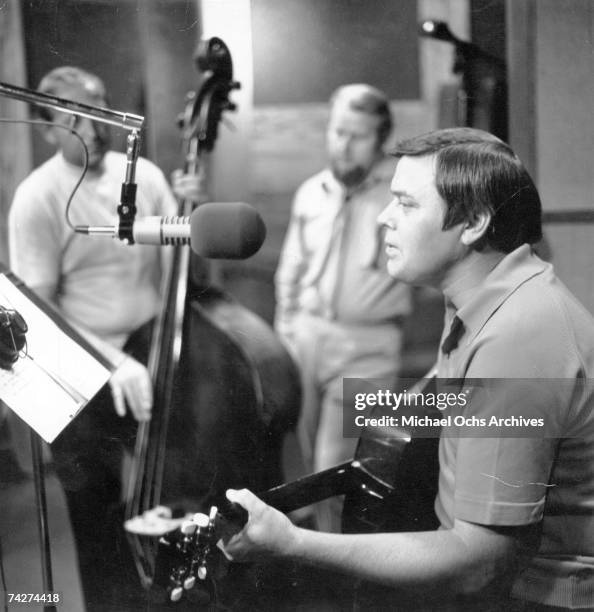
45, 394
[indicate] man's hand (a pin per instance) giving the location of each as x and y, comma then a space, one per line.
267, 533
189, 186
131, 384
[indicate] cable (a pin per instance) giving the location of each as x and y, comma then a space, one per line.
3, 578
85, 151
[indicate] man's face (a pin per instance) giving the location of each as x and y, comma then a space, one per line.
352, 142
419, 251
94, 134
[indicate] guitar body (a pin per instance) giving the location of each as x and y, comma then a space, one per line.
409, 507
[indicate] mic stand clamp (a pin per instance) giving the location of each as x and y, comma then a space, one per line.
127, 208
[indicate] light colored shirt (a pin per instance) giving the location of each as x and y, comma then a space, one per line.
333, 261
104, 285
522, 323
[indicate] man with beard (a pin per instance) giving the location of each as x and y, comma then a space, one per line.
338, 310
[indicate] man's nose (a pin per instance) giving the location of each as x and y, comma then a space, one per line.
345, 143
386, 218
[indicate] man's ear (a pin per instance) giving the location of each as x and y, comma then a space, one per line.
476, 228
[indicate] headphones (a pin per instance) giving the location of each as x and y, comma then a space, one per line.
12, 337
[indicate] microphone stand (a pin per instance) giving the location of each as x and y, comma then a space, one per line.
41, 502
127, 207
126, 211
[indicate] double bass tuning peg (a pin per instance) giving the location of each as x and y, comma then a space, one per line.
229, 106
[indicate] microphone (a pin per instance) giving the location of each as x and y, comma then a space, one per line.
215, 230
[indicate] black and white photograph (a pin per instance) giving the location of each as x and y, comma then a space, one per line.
296, 305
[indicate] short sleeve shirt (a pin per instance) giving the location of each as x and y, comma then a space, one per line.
523, 323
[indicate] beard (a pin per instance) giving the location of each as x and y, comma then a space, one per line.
350, 178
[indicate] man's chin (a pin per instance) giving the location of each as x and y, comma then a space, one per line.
396, 271
95, 161
350, 177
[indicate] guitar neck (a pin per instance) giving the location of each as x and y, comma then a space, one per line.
311, 489
345, 478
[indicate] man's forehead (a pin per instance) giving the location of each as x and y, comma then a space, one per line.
93, 87
414, 173
86, 88
343, 108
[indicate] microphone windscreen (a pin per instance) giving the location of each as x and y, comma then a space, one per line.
226, 230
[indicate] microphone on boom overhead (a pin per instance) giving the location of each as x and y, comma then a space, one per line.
215, 230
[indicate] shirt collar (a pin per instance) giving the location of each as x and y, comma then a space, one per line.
475, 306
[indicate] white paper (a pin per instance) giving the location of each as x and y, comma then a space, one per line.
54, 378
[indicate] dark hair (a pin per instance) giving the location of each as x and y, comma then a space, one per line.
367, 99
476, 172
55, 81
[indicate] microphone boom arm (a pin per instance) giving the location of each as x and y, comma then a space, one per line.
127, 121
134, 123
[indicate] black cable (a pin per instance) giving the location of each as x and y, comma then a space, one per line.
85, 151
3, 578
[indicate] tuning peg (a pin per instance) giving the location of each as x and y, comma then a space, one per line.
189, 582
235, 85
176, 593
188, 528
200, 519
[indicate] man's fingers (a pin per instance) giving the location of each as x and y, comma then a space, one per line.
245, 498
118, 401
140, 403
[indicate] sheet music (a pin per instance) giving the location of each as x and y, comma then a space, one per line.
56, 378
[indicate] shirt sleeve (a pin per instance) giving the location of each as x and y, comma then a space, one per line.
35, 239
502, 470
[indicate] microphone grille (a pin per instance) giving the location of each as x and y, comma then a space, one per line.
226, 230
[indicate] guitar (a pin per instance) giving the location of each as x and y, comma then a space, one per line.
386, 464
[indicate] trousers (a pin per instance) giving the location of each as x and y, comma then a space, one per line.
327, 352
88, 458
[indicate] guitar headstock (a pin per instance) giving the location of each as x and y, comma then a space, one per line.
184, 556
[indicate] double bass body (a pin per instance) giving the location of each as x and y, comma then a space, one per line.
235, 396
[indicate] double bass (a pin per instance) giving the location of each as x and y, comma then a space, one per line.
225, 389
